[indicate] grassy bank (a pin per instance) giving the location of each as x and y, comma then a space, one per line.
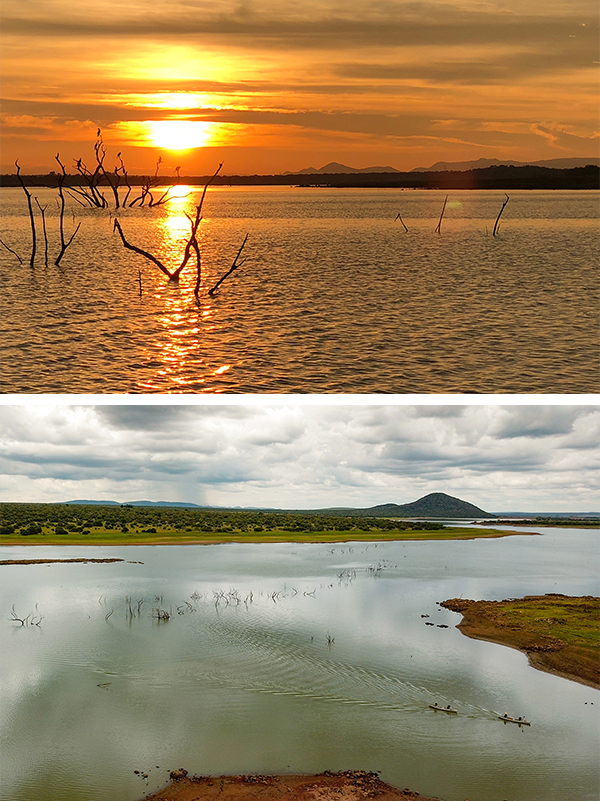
100, 536
560, 634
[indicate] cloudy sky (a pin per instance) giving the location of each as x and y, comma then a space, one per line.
269, 85
519, 458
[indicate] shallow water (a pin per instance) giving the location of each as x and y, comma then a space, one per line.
255, 686
335, 296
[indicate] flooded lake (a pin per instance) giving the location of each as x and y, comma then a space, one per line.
335, 297
288, 658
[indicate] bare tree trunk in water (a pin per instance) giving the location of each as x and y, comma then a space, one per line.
494, 232
438, 230
31, 218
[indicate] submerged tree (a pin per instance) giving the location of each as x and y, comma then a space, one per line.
90, 193
191, 246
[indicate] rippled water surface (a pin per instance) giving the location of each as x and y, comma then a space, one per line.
335, 295
324, 663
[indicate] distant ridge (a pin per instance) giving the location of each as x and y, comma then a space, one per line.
179, 504
333, 167
436, 504
557, 164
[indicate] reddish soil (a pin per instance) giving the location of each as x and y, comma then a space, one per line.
50, 561
350, 785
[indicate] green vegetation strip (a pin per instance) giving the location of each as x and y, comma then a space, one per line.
559, 633
60, 524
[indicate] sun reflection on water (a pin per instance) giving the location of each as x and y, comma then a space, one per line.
179, 354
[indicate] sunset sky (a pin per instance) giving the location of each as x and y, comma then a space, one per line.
269, 85
501, 458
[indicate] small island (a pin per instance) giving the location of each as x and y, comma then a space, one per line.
559, 633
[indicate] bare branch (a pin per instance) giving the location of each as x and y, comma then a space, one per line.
233, 267
494, 232
144, 253
438, 230
63, 244
398, 217
31, 218
43, 213
11, 251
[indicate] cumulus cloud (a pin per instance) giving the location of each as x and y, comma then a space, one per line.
521, 457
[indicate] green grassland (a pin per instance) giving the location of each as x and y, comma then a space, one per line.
559, 633
61, 524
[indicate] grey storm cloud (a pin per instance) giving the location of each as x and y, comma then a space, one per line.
301, 456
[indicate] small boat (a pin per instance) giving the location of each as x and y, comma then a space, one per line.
508, 719
443, 708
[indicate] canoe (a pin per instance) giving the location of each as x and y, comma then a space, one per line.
520, 721
442, 708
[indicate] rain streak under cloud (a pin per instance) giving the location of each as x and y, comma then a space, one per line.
518, 458
268, 86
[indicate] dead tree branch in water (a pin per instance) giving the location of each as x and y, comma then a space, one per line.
31, 218
63, 244
438, 230
494, 232
100, 153
10, 250
398, 217
191, 245
43, 213
144, 253
233, 267
151, 183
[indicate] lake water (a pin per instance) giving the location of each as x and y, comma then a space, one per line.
256, 686
335, 296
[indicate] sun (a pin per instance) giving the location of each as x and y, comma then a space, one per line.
180, 134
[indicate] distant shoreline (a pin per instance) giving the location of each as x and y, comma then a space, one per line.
499, 177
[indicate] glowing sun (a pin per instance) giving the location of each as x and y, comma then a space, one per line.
180, 134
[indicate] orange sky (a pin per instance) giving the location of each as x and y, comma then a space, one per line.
266, 86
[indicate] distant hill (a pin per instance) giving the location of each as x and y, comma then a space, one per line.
557, 164
436, 504
333, 168
138, 503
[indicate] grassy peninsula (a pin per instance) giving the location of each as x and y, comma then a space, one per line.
559, 633
64, 524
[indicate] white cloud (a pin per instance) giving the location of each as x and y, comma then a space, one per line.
530, 458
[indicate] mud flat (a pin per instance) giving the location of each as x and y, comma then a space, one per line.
349, 785
51, 561
559, 633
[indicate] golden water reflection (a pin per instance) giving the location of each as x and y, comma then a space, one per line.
179, 356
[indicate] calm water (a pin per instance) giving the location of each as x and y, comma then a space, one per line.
255, 686
335, 296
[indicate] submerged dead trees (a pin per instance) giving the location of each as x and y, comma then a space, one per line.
192, 246
64, 243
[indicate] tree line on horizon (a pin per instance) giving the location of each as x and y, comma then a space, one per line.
28, 519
